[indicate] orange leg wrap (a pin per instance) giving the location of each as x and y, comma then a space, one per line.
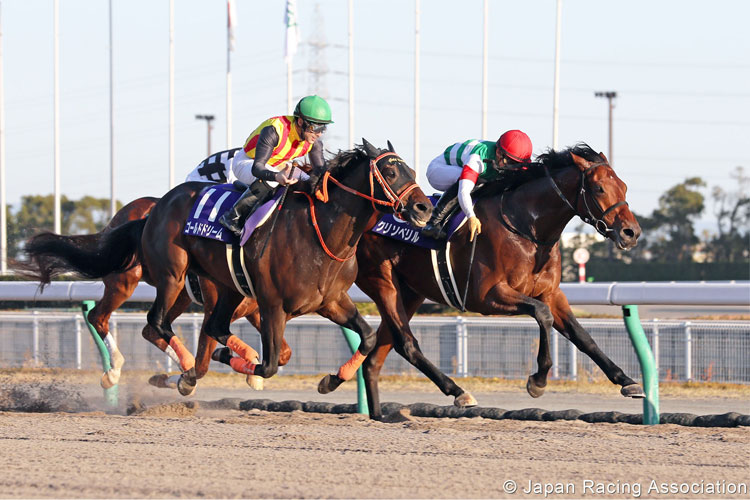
242, 349
348, 369
187, 361
242, 366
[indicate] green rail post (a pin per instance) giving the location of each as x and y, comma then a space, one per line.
646, 360
352, 338
111, 394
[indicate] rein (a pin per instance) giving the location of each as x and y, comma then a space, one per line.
597, 223
395, 200
320, 236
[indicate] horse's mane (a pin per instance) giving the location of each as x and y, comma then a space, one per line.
344, 159
513, 178
558, 159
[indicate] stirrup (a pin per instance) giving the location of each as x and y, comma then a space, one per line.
231, 224
434, 231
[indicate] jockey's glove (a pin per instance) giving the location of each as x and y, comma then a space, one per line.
475, 227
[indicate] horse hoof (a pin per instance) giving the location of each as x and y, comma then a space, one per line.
255, 381
465, 400
329, 383
534, 390
187, 383
633, 391
159, 381
110, 379
184, 387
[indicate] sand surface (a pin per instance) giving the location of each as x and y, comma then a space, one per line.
57, 440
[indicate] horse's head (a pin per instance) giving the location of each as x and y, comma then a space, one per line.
602, 195
394, 187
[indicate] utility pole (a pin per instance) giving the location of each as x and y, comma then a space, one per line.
610, 95
209, 119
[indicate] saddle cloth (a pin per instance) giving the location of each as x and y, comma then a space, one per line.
442, 266
211, 204
400, 230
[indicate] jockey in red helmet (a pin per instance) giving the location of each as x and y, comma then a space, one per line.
467, 162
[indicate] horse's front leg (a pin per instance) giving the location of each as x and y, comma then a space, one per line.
272, 323
504, 300
253, 316
344, 313
567, 324
217, 327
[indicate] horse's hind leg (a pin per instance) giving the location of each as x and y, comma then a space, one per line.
502, 299
396, 308
371, 369
567, 324
168, 290
117, 289
149, 333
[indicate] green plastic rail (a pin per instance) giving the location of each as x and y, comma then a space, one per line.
646, 360
352, 338
110, 395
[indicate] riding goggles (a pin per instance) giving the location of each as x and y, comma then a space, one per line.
316, 128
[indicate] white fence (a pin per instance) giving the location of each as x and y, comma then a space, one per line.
715, 351
729, 293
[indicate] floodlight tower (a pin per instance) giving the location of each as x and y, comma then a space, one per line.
209, 119
610, 95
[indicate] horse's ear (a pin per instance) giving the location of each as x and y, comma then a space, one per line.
371, 150
390, 147
601, 155
579, 161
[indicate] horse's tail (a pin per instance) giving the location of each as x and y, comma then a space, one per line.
90, 256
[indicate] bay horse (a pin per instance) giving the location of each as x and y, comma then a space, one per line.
308, 267
119, 286
516, 269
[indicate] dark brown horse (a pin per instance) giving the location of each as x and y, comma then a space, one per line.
307, 268
516, 269
118, 287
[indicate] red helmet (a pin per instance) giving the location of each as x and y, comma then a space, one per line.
516, 145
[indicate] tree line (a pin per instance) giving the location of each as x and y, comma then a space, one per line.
37, 213
670, 248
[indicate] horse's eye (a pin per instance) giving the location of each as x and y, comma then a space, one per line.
390, 174
599, 190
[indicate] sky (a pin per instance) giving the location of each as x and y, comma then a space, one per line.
681, 70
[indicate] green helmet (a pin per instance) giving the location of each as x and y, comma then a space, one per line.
313, 109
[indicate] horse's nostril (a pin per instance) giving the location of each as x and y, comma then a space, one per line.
628, 232
421, 207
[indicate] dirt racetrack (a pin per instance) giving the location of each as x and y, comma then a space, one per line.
170, 447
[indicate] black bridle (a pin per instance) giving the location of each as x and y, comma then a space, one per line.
588, 216
598, 223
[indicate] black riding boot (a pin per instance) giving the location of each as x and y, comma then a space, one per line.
441, 213
234, 219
